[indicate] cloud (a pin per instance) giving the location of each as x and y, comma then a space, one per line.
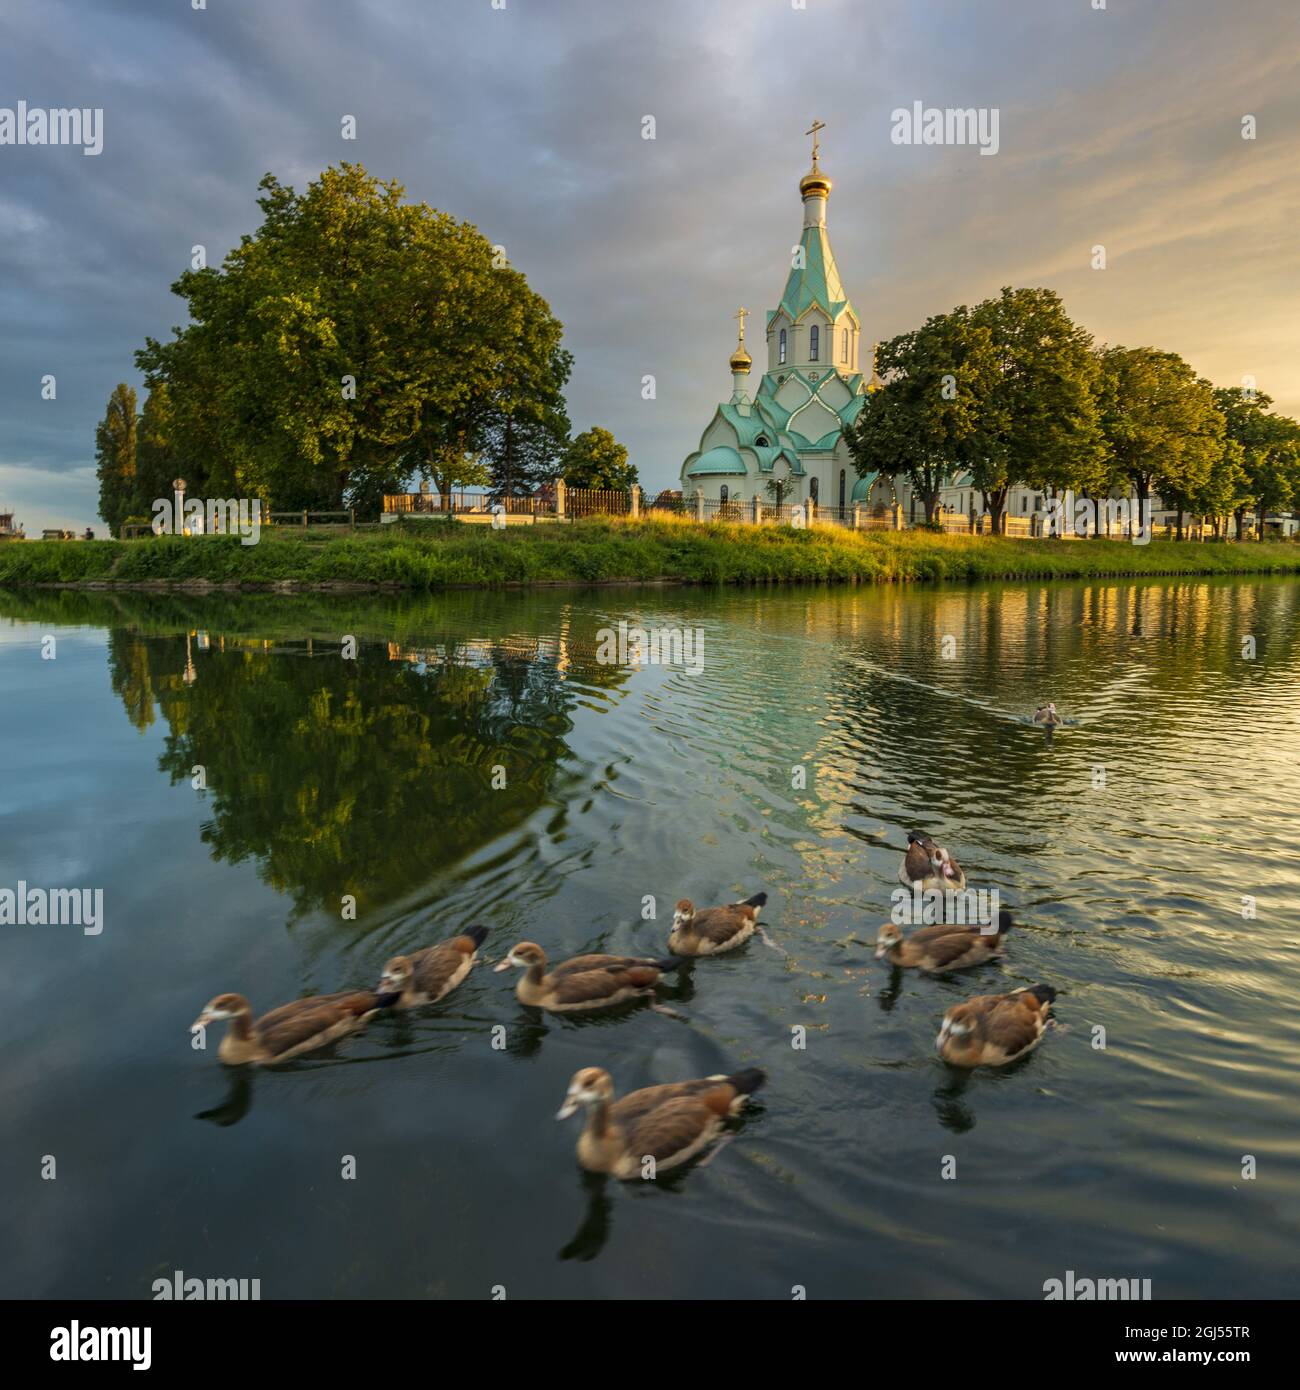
1118, 127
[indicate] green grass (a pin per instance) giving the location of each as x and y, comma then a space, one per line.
441, 555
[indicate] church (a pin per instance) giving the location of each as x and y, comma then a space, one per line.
789, 436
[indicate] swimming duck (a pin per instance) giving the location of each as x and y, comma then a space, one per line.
584, 982
1046, 714
290, 1030
929, 865
994, 1029
426, 976
712, 930
669, 1124
948, 946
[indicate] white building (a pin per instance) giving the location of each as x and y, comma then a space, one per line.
791, 429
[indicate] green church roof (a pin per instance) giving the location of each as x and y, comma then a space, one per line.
817, 281
719, 459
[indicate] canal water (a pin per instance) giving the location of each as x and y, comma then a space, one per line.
496, 759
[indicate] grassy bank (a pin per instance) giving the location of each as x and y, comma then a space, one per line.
439, 555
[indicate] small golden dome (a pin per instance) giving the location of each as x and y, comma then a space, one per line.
741, 361
814, 183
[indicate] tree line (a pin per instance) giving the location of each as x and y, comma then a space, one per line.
1014, 392
353, 343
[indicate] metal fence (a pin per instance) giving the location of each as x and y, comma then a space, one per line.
581, 501
546, 503
464, 501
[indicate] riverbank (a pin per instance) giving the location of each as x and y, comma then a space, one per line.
604, 550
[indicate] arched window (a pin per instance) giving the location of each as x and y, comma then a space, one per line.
761, 441
722, 493
814, 334
841, 489
844, 350
781, 346
812, 485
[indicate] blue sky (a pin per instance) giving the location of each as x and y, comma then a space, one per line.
1119, 127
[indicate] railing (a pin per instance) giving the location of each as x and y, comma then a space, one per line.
581, 501
465, 502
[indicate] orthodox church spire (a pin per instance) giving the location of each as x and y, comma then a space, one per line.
814, 279
740, 363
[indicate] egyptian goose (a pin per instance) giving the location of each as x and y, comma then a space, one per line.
710, 931
584, 982
937, 950
668, 1124
994, 1029
426, 976
929, 865
290, 1030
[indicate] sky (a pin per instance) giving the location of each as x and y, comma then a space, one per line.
1119, 126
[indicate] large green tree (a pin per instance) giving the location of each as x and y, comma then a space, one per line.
595, 459
157, 464
1268, 443
1036, 421
926, 415
352, 340
1162, 430
526, 441
115, 458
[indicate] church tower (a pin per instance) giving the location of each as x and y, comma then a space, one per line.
814, 324
791, 431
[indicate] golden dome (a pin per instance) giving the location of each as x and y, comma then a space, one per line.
814, 183
741, 361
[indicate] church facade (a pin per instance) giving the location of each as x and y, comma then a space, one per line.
787, 437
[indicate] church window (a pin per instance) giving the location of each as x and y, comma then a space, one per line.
761, 441
814, 333
841, 489
812, 488
722, 493
781, 349
844, 349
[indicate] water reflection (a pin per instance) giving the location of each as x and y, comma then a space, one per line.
355, 777
373, 779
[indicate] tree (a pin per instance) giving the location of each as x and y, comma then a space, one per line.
157, 464
1161, 428
1036, 421
1269, 462
115, 457
1273, 470
352, 340
453, 474
919, 423
595, 459
778, 489
1226, 489
526, 441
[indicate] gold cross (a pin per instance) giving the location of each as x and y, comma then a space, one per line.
740, 314
813, 129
